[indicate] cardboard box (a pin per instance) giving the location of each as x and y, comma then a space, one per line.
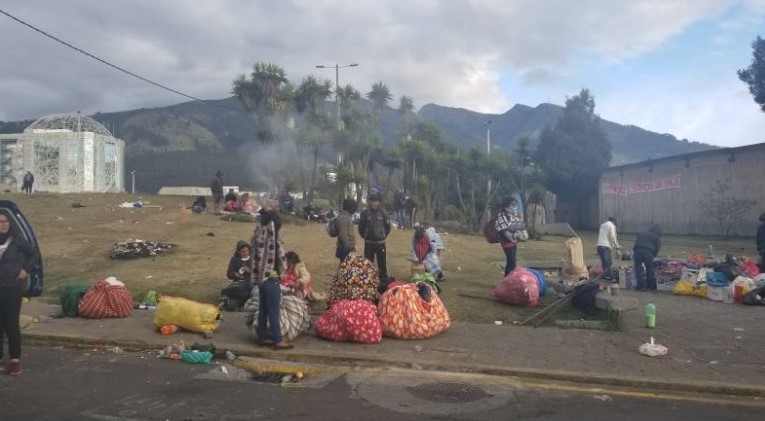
665, 283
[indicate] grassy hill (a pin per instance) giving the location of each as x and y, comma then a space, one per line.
185, 143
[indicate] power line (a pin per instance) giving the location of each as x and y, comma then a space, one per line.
114, 66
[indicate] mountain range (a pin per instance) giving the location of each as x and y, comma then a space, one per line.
183, 144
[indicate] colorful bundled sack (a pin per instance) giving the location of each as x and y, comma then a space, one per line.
406, 314
749, 268
670, 268
294, 318
686, 287
186, 314
350, 321
520, 287
108, 298
356, 279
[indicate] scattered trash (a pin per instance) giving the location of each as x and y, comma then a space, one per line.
59, 218
287, 379
418, 348
132, 249
172, 352
203, 347
168, 330
230, 356
196, 357
223, 369
498, 322
416, 366
714, 362
115, 350
149, 277
602, 398
77, 205
653, 349
210, 234
169, 222
738, 329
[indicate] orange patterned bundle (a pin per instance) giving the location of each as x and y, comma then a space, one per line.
107, 298
404, 314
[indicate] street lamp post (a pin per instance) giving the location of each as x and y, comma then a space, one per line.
337, 86
132, 174
488, 150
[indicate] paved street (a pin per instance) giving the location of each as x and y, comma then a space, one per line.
67, 384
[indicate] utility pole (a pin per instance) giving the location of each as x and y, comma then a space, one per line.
132, 175
488, 153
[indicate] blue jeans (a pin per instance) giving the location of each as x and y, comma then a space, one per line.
401, 218
605, 259
643, 258
268, 312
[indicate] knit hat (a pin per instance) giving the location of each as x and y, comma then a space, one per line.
374, 197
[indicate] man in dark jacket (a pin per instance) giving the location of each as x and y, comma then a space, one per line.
28, 182
647, 246
761, 242
399, 205
216, 188
374, 227
346, 238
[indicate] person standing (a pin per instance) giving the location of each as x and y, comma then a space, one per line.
346, 238
17, 257
761, 242
216, 187
399, 205
508, 223
647, 246
268, 263
606, 243
374, 227
27, 182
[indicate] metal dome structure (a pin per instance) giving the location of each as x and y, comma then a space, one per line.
70, 153
67, 123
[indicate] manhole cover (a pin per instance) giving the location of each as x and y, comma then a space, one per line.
443, 392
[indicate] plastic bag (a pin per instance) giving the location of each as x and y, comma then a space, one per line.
652, 349
520, 287
685, 287
186, 314
541, 280
573, 261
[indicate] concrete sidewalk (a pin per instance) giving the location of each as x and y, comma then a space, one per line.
713, 347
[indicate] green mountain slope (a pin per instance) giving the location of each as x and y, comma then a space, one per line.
184, 144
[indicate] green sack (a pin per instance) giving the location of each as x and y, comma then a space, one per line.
150, 299
426, 277
70, 298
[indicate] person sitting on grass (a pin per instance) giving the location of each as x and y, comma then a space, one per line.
425, 254
240, 265
231, 201
297, 280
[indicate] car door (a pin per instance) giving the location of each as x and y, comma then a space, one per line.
20, 224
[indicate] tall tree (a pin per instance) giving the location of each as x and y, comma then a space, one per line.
262, 95
573, 152
754, 75
380, 96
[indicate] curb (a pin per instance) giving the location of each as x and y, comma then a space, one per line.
297, 355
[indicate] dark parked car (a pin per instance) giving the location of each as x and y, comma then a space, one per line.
20, 225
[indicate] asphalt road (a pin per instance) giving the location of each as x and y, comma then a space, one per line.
66, 384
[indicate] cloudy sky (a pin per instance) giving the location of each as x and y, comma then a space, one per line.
666, 65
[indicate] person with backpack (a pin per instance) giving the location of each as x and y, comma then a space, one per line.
606, 242
374, 227
17, 257
507, 225
343, 229
647, 246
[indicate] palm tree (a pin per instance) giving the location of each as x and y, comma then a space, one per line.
348, 96
263, 95
311, 93
379, 95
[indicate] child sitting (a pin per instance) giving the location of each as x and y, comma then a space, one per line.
296, 279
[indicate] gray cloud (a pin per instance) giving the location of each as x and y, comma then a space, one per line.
449, 52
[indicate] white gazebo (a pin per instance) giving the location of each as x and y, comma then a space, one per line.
71, 153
